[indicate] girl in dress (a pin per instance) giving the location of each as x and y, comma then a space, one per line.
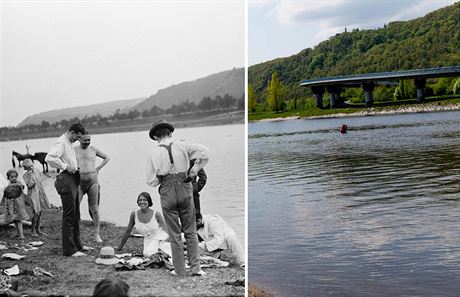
148, 223
36, 195
14, 201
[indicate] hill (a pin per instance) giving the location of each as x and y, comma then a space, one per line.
429, 41
104, 109
227, 82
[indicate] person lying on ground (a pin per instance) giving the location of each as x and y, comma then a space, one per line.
148, 223
216, 234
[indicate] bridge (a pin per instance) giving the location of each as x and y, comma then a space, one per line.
368, 81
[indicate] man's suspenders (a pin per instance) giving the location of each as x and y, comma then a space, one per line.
168, 147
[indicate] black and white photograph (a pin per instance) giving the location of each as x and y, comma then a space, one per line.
122, 148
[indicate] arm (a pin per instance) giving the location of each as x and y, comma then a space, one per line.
151, 176
201, 155
53, 158
28, 180
215, 229
202, 178
105, 159
127, 232
161, 221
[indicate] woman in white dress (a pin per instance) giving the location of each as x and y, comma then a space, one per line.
149, 224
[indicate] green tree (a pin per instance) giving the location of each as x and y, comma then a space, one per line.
251, 99
276, 93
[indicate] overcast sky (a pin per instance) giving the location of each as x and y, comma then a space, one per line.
57, 54
281, 28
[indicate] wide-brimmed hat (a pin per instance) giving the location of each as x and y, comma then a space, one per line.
28, 162
159, 125
107, 256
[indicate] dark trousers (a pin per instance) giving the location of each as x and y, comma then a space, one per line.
66, 185
196, 202
177, 205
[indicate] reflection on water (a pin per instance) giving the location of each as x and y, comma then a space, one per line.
373, 212
123, 178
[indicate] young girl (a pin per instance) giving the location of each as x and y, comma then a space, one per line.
36, 195
15, 206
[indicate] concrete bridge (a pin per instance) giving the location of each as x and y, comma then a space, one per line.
368, 81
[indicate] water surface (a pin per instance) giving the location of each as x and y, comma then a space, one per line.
123, 178
374, 212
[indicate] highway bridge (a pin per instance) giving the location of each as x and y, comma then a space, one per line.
368, 81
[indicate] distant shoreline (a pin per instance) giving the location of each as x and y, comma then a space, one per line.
145, 124
372, 112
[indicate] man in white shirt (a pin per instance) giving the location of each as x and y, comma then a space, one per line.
62, 156
218, 235
167, 167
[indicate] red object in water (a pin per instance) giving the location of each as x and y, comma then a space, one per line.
343, 129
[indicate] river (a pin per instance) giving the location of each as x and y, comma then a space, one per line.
123, 178
374, 212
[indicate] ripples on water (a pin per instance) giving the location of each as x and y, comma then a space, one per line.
373, 212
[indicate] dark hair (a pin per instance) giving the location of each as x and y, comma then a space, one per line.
146, 196
108, 287
77, 128
11, 171
162, 132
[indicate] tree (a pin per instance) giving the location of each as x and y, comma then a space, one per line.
251, 99
276, 93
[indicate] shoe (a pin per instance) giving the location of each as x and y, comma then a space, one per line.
173, 272
78, 254
199, 273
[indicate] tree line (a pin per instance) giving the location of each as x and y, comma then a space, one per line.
207, 104
426, 42
278, 98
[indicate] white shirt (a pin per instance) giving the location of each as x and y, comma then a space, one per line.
62, 154
214, 232
158, 162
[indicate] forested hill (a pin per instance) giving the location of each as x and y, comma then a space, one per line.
429, 41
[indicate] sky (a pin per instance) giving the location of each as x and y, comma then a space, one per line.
57, 54
281, 28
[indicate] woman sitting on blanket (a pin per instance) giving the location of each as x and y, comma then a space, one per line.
148, 223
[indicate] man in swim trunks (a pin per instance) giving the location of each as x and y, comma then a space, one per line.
86, 160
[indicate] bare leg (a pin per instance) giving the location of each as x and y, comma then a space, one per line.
19, 229
34, 224
93, 197
39, 231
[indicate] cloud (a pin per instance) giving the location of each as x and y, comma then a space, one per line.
332, 16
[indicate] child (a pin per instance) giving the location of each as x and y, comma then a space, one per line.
36, 195
15, 207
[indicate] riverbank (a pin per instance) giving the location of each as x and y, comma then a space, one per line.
357, 112
142, 124
78, 276
254, 291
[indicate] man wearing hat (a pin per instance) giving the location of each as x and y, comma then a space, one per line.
167, 167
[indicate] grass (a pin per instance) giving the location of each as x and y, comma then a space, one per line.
78, 276
356, 109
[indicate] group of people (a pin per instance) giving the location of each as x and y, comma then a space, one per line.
175, 167
14, 199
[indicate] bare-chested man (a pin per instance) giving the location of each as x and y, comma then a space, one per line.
86, 160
